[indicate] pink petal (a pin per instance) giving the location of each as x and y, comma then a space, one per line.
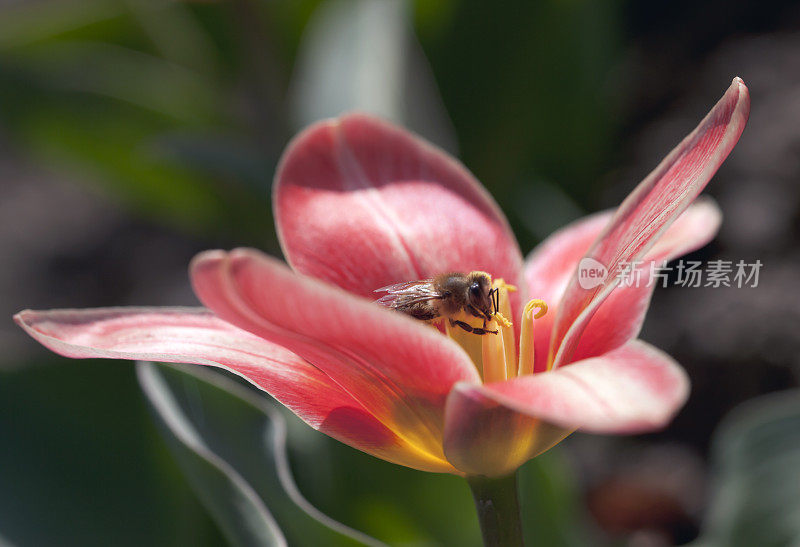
632, 389
195, 335
620, 317
364, 204
550, 266
651, 209
398, 368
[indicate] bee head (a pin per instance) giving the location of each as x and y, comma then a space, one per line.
479, 292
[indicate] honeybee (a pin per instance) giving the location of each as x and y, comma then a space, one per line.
446, 295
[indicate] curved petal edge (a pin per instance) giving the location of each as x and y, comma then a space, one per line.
649, 211
632, 389
197, 336
363, 204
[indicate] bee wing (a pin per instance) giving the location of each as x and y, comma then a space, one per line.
409, 293
401, 301
399, 288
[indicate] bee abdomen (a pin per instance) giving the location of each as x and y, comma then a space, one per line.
422, 311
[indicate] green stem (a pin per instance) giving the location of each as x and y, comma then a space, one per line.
497, 504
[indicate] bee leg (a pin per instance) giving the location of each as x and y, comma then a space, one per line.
469, 328
484, 330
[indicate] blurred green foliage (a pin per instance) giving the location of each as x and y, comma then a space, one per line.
82, 463
180, 109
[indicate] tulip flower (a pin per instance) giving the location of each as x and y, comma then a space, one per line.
361, 204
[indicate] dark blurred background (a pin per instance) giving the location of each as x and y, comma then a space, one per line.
135, 133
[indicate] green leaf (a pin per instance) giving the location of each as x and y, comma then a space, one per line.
756, 454
230, 443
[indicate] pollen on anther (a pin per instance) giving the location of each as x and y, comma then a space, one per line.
533, 304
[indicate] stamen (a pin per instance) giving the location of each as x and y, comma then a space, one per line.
526, 349
494, 355
505, 326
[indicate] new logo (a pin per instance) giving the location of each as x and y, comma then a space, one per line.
591, 273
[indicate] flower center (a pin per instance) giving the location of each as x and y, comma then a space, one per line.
495, 355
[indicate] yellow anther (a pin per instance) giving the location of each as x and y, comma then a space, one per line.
501, 320
536, 303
